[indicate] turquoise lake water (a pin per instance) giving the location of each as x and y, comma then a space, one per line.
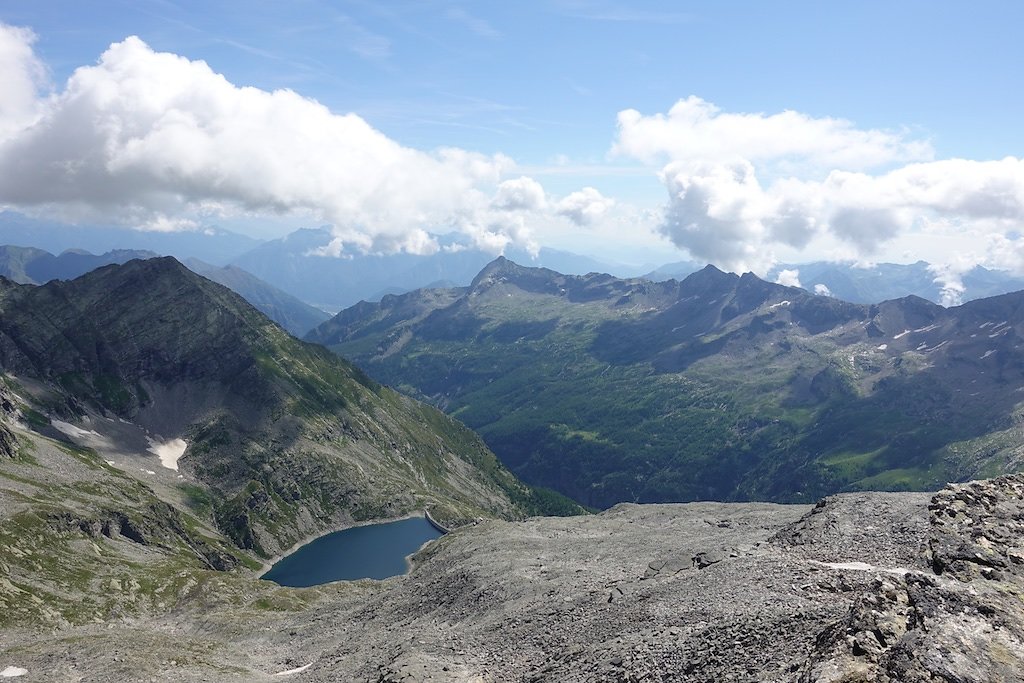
374, 551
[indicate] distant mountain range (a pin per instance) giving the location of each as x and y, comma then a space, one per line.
884, 281
288, 311
717, 387
211, 244
872, 284
292, 264
27, 265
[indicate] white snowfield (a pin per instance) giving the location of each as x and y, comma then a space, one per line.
13, 672
168, 451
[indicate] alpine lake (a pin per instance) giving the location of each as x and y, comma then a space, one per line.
373, 551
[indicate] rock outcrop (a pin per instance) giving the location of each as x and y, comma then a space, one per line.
959, 618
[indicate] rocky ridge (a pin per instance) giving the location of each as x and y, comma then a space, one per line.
26, 265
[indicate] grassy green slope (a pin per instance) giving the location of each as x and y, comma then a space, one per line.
285, 439
612, 390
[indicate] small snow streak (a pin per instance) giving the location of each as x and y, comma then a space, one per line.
291, 672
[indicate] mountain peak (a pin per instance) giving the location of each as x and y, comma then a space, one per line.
159, 266
499, 267
709, 278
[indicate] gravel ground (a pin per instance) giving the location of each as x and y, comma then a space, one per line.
861, 587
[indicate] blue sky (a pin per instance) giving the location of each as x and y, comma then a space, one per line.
542, 84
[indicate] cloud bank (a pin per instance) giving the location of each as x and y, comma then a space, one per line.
742, 185
22, 76
158, 141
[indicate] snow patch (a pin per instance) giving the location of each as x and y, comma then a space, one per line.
781, 303
927, 329
988, 353
883, 347
168, 451
901, 334
13, 672
862, 567
71, 430
291, 672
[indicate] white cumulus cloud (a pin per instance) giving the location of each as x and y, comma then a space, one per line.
22, 76
789, 278
157, 141
716, 212
520, 194
741, 185
696, 129
585, 206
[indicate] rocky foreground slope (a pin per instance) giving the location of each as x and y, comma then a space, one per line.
860, 587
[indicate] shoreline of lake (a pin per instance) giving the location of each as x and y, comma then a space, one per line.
270, 562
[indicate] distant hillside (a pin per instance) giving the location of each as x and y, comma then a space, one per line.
291, 264
673, 271
717, 387
30, 266
294, 315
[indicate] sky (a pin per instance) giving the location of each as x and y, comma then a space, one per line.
745, 134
